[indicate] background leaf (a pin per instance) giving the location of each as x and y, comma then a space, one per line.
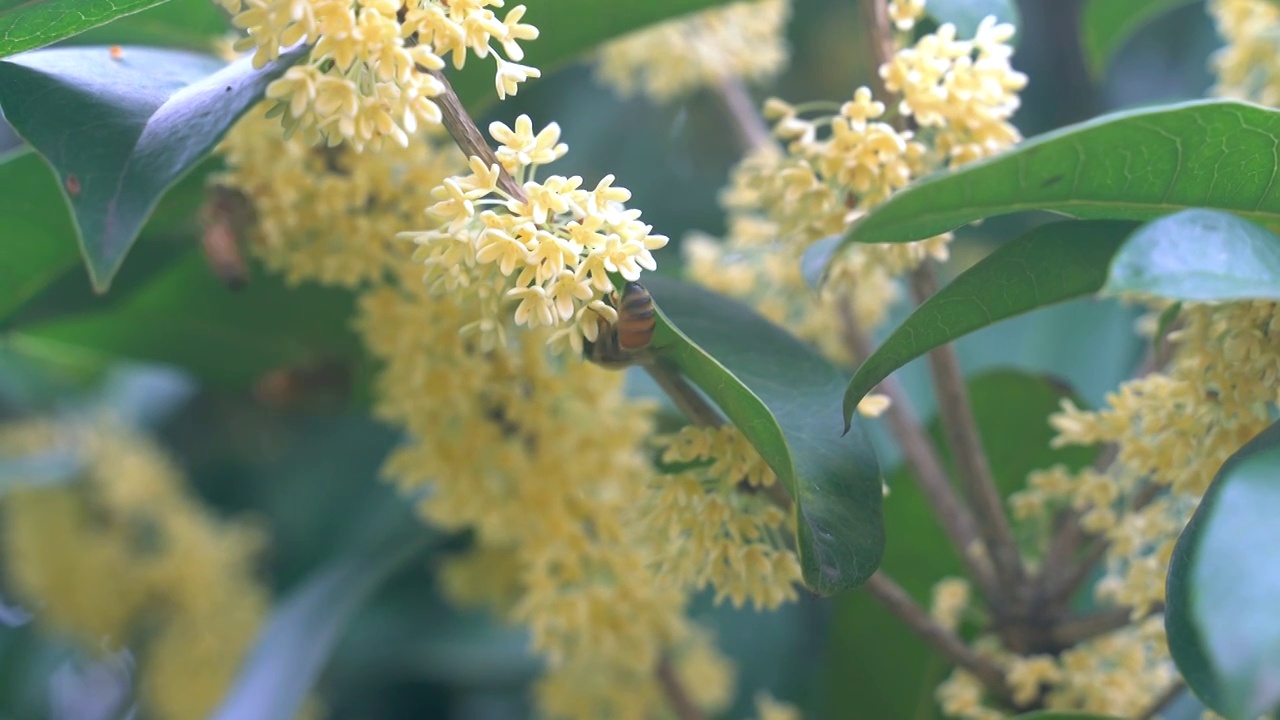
29, 24
1198, 255
118, 133
1011, 410
184, 316
304, 628
1134, 165
782, 396
1224, 632
1049, 264
966, 14
1105, 25
191, 24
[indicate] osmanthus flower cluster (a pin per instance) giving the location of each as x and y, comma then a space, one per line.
551, 250
959, 95
539, 454
124, 556
367, 77
723, 531
741, 41
1246, 65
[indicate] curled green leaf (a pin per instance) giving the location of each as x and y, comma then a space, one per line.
783, 397
120, 128
1050, 264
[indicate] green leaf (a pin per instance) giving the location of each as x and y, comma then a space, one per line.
29, 24
1105, 25
1134, 165
782, 396
966, 14
191, 24
1220, 616
1048, 265
42, 278
298, 639
119, 133
184, 316
570, 28
1011, 409
1198, 255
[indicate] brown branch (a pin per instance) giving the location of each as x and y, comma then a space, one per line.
751, 129
1072, 631
970, 458
875, 16
904, 607
468, 137
1060, 586
677, 696
926, 467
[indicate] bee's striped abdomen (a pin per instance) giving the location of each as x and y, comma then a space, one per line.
636, 317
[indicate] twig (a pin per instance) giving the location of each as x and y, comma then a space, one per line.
926, 468
970, 458
468, 137
1059, 587
677, 697
1165, 699
897, 601
1072, 631
875, 14
464, 132
752, 131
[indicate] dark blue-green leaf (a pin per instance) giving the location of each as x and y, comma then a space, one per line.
29, 24
1224, 579
1133, 165
1105, 25
1198, 255
784, 398
296, 643
118, 133
1048, 265
185, 317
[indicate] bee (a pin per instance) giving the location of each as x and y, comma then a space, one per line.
623, 343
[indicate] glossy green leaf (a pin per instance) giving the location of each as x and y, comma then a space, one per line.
302, 631
1220, 616
1134, 165
42, 277
783, 397
1105, 25
1011, 410
966, 14
29, 24
1048, 265
191, 24
119, 133
1198, 255
184, 316
570, 28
